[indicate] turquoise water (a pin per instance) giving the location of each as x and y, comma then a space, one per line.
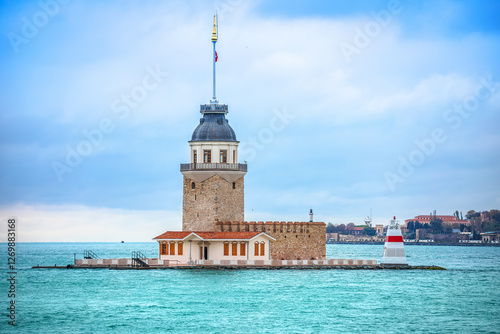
463, 299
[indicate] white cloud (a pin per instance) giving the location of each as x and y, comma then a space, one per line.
79, 223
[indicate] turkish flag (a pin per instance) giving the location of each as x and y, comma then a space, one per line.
216, 57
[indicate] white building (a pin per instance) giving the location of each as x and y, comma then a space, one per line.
187, 246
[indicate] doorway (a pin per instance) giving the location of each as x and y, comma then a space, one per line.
204, 254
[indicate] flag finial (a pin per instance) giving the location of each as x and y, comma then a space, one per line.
214, 32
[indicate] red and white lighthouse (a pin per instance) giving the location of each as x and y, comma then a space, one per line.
394, 250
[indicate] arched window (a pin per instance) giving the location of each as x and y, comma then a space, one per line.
262, 248
256, 245
172, 248
164, 249
234, 185
234, 247
180, 248
243, 249
193, 185
226, 248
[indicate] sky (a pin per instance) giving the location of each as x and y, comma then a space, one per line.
345, 107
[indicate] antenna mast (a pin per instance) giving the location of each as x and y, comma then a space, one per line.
214, 40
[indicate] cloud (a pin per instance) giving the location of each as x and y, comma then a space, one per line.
352, 119
79, 223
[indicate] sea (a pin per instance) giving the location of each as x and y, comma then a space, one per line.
465, 298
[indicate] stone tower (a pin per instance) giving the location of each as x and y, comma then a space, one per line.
213, 187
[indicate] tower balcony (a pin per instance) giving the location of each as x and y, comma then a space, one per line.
213, 166
214, 108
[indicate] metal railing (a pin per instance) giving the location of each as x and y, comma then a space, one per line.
214, 166
214, 107
139, 259
88, 254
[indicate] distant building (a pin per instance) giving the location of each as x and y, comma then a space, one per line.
357, 230
426, 219
490, 237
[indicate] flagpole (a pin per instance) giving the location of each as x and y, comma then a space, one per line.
214, 40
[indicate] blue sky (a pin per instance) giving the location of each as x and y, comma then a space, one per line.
382, 105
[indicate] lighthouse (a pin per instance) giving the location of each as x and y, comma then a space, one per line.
394, 251
213, 187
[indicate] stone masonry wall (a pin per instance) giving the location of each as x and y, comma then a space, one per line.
294, 240
210, 201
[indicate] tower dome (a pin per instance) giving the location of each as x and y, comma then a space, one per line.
213, 127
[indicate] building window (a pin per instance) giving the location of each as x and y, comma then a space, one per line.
172, 248
223, 156
226, 248
194, 156
234, 156
243, 249
164, 249
260, 248
180, 248
234, 185
207, 156
234, 249
193, 185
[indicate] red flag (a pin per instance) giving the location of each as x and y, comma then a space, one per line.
216, 57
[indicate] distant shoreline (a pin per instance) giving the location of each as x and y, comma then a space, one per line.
415, 243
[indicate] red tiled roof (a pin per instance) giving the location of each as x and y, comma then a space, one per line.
208, 235
174, 235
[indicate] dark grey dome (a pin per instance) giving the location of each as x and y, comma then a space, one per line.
213, 127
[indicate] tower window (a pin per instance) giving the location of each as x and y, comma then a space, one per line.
193, 185
223, 156
207, 156
234, 156
194, 157
234, 185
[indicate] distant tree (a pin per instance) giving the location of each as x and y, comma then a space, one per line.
461, 216
419, 225
448, 228
472, 214
411, 226
341, 228
330, 228
350, 226
437, 225
369, 231
476, 235
456, 214
495, 215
